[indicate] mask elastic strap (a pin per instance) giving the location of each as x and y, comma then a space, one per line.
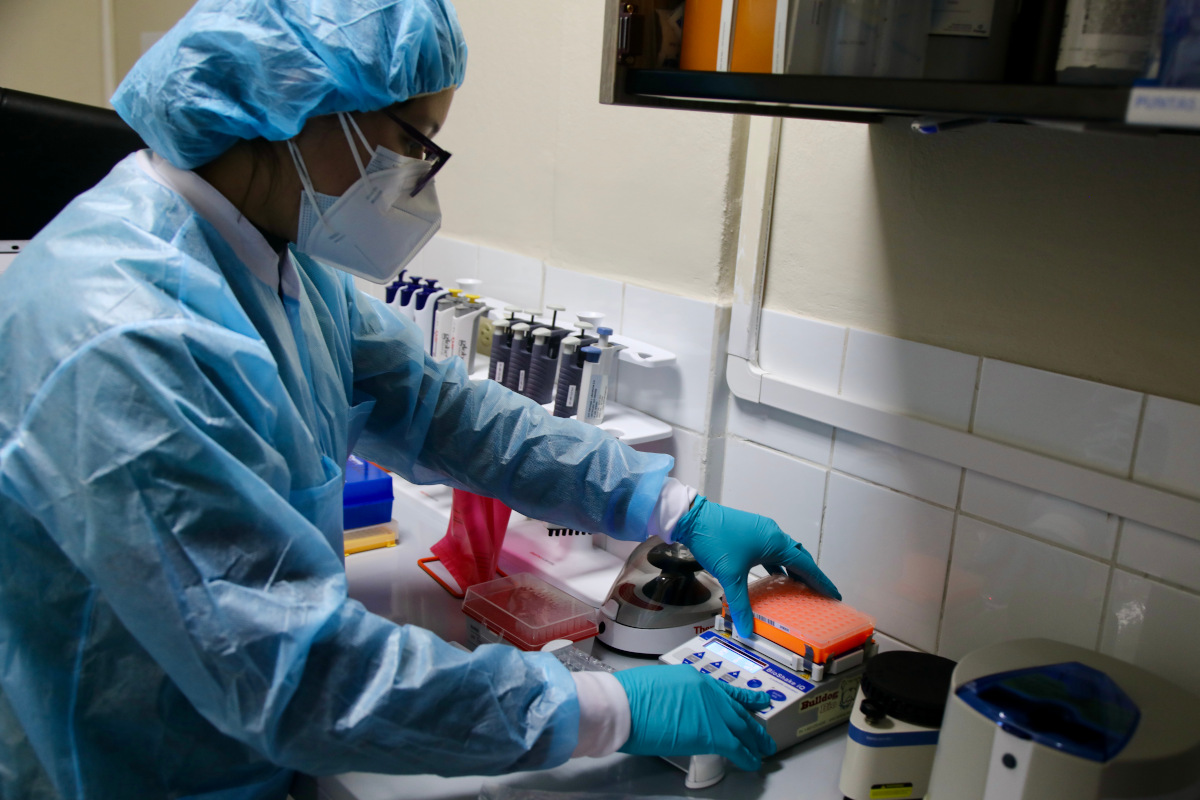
305, 180
362, 137
350, 140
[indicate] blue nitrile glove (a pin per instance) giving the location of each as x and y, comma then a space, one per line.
728, 542
676, 711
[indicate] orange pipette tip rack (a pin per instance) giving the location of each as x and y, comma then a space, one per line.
791, 615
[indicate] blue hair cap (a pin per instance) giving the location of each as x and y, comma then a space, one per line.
244, 69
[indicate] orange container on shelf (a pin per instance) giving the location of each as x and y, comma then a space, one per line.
701, 34
792, 615
753, 36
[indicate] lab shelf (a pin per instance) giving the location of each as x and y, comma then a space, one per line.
632, 426
628, 78
627, 424
868, 99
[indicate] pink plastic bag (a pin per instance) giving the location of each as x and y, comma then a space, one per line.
471, 546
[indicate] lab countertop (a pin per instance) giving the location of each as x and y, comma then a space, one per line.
389, 583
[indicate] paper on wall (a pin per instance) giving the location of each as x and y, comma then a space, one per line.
962, 17
1108, 34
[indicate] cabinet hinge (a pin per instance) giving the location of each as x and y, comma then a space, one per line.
631, 29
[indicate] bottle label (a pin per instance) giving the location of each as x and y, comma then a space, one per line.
597, 392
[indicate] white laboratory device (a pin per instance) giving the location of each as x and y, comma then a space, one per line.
895, 725
1039, 720
801, 706
661, 599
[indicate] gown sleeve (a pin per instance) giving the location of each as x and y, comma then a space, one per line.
432, 424
148, 457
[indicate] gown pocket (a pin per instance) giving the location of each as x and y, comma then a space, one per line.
322, 504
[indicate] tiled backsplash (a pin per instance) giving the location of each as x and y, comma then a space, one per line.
948, 559
945, 558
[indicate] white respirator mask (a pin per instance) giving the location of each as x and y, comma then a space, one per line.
375, 228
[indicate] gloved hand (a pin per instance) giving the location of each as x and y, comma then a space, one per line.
728, 542
676, 711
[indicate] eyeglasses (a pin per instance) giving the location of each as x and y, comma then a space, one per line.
430, 152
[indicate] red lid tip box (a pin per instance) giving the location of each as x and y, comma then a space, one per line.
527, 612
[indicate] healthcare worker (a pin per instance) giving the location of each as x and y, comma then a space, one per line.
178, 393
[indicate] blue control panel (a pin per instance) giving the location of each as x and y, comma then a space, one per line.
801, 707
712, 654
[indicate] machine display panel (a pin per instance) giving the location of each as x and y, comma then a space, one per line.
728, 653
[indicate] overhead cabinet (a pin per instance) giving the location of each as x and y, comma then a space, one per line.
1085, 63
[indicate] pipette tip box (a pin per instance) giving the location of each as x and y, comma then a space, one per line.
367, 495
525, 611
795, 617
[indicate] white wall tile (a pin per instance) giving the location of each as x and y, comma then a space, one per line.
1168, 452
887, 644
688, 450
780, 430
905, 471
910, 378
787, 490
802, 350
446, 259
578, 292
1161, 554
887, 553
1007, 586
1154, 626
513, 278
1061, 521
677, 393
1068, 418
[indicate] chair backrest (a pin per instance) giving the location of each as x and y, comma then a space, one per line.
50, 151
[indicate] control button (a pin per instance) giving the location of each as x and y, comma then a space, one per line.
716, 665
725, 679
735, 674
775, 694
698, 656
754, 683
689, 660
706, 671
766, 710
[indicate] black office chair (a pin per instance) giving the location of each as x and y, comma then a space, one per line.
50, 151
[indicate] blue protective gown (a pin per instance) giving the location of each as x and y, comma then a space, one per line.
173, 609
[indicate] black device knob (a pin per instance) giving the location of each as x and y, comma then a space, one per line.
911, 687
677, 585
871, 711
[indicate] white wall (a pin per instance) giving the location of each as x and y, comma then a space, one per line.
77, 50
542, 169
54, 48
1068, 252
948, 559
